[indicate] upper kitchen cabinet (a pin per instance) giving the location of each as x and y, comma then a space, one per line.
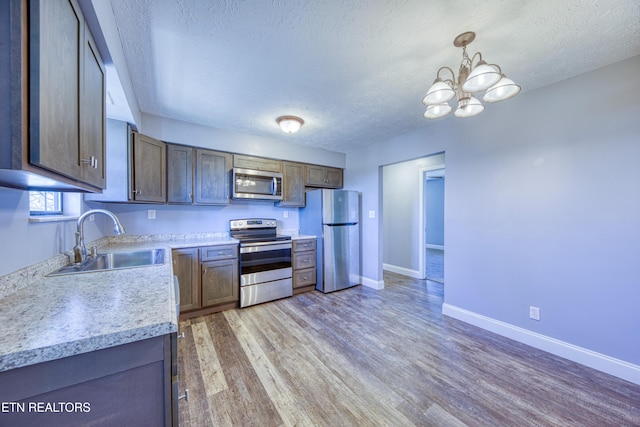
92, 114
136, 171
53, 123
212, 177
179, 174
148, 172
292, 185
256, 163
323, 177
197, 176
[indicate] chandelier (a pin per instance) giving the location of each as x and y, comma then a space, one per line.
471, 79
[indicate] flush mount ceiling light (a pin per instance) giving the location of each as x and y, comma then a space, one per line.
471, 79
289, 124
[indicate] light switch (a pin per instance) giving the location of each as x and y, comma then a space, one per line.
285, 214
151, 214
372, 214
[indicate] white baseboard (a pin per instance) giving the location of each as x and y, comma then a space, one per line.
616, 367
370, 283
401, 270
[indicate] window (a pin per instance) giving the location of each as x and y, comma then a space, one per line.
45, 203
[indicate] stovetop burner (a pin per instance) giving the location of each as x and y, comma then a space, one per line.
252, 230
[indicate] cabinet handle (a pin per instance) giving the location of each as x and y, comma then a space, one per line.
185, 396
91, 161
181, 335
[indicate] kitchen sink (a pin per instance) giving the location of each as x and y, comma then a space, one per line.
114, 261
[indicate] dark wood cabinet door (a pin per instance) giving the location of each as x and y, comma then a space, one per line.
315, 176
256, 163
187, 268
179, 174
334, 177
92, 114
323, 177
292, 185
55, 41
219, 282
213, 172
149, 169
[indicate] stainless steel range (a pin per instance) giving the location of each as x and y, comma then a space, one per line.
265, 260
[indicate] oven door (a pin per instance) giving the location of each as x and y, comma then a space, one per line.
264, 262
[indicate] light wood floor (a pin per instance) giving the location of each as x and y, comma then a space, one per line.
362, 357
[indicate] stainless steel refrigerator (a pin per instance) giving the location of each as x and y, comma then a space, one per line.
333, 216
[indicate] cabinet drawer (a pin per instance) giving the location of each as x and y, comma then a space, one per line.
304, 260
304, 245
211, 253
304, 277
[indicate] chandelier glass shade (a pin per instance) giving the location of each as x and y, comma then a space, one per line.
471, 80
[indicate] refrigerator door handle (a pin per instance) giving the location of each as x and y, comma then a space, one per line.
341, 224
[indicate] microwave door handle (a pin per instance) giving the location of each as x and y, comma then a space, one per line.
274, 186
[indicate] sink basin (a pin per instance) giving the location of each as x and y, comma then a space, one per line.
114, 261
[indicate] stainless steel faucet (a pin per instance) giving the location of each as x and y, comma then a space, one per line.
80, 250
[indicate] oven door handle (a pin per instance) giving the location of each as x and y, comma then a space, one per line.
264, 247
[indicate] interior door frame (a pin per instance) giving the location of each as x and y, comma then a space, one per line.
422, 176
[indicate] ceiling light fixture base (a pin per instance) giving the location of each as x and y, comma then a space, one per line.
464, 39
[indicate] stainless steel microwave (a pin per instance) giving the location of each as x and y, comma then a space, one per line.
254, 184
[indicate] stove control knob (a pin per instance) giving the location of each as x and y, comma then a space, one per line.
240, 223
272, 223
234, 223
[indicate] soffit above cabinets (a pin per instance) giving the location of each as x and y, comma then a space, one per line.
355, 71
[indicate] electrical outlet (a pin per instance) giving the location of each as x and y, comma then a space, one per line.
285, 214
372, 214
534, 313
151, 214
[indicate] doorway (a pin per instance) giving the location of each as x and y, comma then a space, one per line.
403, 214
433, 200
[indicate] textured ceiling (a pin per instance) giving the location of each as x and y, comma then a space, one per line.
355, 71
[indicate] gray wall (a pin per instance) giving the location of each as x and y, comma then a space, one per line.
25, 243
434, 211
541, 208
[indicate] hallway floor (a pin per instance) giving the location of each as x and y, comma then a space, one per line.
435, 265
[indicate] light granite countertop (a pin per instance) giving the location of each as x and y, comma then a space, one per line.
61, 316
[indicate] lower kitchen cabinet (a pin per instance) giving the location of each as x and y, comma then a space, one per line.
304, 265
187, 268
219, 282
126, 385
208, 277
